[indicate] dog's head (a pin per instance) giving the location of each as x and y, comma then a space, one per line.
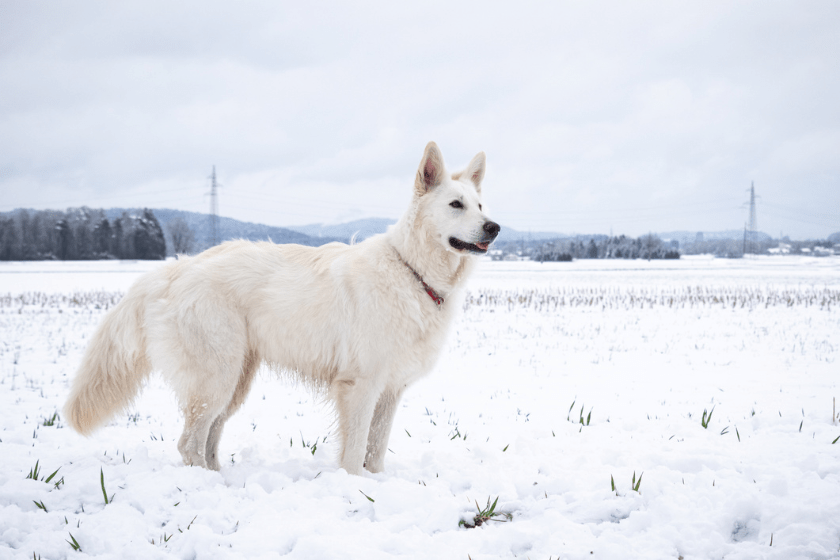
450, 204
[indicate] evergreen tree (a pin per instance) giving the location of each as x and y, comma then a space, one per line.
126, 241
592, 250
149, 242
102, 238
8, 239
65, 240
117, 239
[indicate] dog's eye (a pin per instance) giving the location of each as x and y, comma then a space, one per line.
456, 204
479, 206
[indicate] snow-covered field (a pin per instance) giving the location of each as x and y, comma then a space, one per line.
557, 380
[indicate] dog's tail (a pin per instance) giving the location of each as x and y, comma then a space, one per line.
114, 366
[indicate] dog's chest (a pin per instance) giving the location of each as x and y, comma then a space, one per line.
418, 343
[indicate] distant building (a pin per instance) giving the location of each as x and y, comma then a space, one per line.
782, 249
823, 251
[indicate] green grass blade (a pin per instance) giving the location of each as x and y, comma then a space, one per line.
74, 544
638, 482
33, 472
102, 483
49, 478
493, 507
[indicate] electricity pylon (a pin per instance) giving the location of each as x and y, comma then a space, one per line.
214, 209
751, 229
753, 222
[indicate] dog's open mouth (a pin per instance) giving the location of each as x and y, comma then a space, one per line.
472, 247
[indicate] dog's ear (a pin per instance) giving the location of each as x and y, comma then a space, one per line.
430, 173
475, 170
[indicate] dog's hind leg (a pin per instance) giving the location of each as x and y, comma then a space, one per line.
199, 414
200, 344
380, 429
201, 409
207, 398
243, 386
355, 400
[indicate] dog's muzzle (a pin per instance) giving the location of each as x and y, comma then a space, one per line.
490, 232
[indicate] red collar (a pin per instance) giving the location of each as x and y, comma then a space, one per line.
437, 298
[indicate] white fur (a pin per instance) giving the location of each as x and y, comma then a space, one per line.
350, 320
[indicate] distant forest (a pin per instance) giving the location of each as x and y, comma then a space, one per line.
80, 234
652, 247
119, 233
603, 247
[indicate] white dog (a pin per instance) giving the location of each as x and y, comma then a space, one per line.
360, 322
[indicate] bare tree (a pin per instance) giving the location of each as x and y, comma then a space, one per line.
183, 237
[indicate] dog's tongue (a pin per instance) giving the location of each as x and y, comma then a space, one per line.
482, 246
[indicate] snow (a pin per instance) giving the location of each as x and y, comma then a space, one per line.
645, 347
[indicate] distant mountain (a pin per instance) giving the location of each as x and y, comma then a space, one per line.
509, 234
319, 234
228, 229
688, 237
362, 229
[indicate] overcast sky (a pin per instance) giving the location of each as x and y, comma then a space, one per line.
595, 116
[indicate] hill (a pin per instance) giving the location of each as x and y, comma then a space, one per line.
689, 237
228, 229
362, 229
319, 234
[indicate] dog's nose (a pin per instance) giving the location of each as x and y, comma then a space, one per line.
492, 229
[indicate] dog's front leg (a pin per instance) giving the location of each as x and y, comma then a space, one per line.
355, 400
380, 429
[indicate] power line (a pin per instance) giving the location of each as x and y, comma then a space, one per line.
808, 214
85, 201
302, 202
815, 219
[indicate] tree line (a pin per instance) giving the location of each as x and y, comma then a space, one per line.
620, 247
80, 234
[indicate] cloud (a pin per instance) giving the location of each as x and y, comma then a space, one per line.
643, 116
